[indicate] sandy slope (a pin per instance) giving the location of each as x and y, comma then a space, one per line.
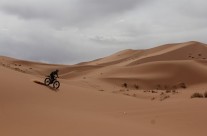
31, 109
91, 101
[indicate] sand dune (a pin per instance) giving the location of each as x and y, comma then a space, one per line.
132, 92
181, 51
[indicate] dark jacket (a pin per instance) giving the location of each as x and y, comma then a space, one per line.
53, 74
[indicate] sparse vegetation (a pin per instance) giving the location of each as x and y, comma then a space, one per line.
163, 97
183, 85
125, 85
136, 87
197, 95
101, 90
153, 98
154, 91
205, 94
168, 91
169, 88
174, 91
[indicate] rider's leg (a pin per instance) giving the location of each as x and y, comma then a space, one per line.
52, 79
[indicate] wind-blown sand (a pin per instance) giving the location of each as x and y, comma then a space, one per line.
144, 92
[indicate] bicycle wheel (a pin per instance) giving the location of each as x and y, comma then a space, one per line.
56, 84
47, 81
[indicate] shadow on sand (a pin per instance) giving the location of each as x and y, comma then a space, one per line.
41, 83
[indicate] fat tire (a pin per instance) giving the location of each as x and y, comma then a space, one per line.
47, 81
56, 84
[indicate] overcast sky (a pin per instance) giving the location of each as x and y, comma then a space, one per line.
72, 31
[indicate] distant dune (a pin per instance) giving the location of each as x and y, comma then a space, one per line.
167, 65
132, 92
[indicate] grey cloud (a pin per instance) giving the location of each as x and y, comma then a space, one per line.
104, 7
49, 51
36, 49
108, 40
196, 9
48, 46
71, 12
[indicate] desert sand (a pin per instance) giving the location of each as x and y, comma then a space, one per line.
133, 92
